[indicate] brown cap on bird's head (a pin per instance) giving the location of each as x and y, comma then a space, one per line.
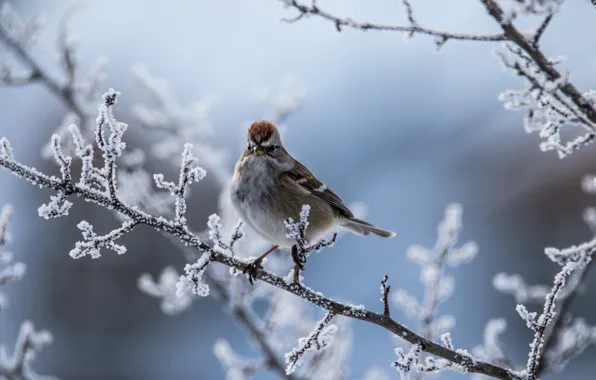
262, 131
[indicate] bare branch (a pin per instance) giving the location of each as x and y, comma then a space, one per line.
541, 29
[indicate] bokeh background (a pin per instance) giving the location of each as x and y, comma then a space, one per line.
386, 122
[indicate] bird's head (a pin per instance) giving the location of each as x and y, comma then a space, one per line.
264, 140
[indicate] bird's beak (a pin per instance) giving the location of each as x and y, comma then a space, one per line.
258, 150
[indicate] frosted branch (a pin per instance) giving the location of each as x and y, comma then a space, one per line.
438, 286
412, 29
5, 216
180, 124
492, 349
192, 280
571, 341
165, 289
553, 102
29, 343
92, 243
237, 368
19, 38
297, 231
300, 290
11, 270
280, 104
189, 174
319, 339
385, 289
539, 324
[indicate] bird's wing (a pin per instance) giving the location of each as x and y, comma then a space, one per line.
303, 177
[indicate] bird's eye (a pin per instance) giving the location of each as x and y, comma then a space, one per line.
271, 148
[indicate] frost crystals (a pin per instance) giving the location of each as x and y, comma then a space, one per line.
165, 288
189, 174
319, 339
192, 280
29, 344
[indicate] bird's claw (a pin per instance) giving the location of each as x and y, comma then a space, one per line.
252, 269
299, 257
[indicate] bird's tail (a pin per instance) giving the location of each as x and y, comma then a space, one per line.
360, 227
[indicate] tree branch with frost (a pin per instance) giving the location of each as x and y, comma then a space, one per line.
572, 340
104, 199
319, 339
302, 248
538, 324
19, 37
552, 100
492, 349
385, 289
438, 286
441, 36
17, 366
10, 271
412, 364
187, 124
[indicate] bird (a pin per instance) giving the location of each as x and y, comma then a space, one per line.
269, 186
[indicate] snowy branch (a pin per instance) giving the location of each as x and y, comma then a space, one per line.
319, 339
106, 198
438, 286
538, 324
16, 366
440, 36
10, 271
19, 37
552, 101
185, 125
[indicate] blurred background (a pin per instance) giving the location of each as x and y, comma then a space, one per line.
386, 122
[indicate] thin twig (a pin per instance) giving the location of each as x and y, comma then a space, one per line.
385, 289
37, 73
541, 29
247, 319
558, 321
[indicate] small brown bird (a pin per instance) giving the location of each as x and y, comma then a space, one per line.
270, 186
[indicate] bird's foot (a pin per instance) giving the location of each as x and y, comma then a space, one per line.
252, 269
299, 257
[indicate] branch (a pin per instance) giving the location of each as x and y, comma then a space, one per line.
385, 289
28, 344
68, 93
514, 35
558, 322
62, 92
553, 100
247, 319
442, 36
571, 259
170, 227
319, 339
